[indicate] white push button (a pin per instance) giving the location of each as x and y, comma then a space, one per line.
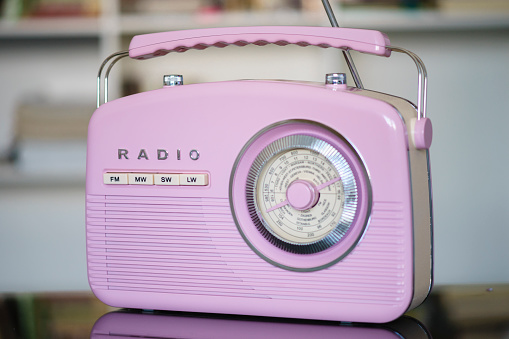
115, 178
141, 179
193, 179
167, 179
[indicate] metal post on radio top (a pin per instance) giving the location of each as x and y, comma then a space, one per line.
346, 53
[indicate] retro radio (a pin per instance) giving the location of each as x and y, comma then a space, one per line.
273, 198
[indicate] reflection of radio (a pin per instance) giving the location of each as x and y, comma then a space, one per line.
138, 324
261, 197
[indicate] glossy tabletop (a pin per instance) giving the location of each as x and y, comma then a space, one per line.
477, 311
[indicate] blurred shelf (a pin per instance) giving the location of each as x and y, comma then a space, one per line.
379, 19
423, 20
69, 27
139, 23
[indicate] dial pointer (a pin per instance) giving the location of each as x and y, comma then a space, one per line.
275, 207
328, 183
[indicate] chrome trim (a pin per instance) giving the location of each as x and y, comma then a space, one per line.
116, 56
173, 80
194, 154
431, 228
414, 256
335, 79
412, 304
422, 92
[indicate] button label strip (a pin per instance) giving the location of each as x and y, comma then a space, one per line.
158, 179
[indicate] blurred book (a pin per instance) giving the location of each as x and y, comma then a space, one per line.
390, 3
276, 4
312, 5
49, 315
393, 3
195, 6
160, 6
51, 138
63, 8
473, 5
12, 9
15, 9
49, 121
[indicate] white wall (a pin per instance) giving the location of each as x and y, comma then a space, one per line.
42, 238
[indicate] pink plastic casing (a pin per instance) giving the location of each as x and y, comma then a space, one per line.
157, 44
178, 248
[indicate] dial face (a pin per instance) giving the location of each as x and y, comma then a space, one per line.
303, 194
300, 196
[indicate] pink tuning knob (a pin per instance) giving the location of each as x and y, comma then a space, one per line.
302, 195
423, 133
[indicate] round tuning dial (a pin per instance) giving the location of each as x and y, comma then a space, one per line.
304, 194
300, 196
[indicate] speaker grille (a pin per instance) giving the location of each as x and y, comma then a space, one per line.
192, 246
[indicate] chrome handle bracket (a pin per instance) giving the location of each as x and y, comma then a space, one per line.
422, 91
112, 60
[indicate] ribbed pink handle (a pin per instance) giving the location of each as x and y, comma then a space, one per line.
157, 44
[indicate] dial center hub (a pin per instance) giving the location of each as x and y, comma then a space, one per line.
302, 195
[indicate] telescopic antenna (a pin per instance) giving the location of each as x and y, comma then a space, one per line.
346, 54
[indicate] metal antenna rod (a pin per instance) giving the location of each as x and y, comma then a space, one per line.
346, 54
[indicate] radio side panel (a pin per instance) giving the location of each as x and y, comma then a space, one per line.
421, 200
178, 248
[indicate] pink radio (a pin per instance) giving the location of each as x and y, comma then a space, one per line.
271, 198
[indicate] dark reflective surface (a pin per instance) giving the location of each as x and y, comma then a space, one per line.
125, 324
450, 312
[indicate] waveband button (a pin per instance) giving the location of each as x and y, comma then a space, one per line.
115, 178
167, 179
141, 179
194, 179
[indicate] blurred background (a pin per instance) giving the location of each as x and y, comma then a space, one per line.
50, 52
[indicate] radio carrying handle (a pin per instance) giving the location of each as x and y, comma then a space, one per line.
158, 44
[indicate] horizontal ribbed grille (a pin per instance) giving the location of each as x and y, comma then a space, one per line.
192, 246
